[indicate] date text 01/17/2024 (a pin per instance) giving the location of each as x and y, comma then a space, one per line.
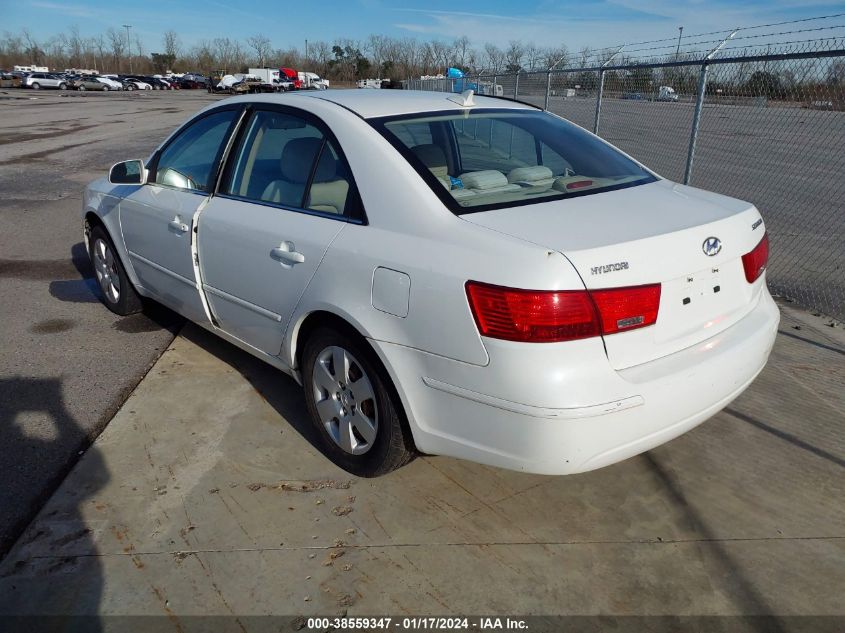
418, 623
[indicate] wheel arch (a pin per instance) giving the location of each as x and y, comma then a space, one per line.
312, 321
92, 219
308, 323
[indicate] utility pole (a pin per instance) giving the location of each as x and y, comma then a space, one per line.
129, 45
680, 33
306, 53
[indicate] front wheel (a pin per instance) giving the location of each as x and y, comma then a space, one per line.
82, 88
352, 405
62, 86
118, 293
36, 86
105, 88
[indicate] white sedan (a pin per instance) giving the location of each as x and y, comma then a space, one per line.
111, 84
446, 274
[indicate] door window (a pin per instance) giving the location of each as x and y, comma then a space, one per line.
287, 160
188, 161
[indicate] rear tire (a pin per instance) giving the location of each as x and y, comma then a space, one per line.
106, 88
117, 291
353, 405
82, 88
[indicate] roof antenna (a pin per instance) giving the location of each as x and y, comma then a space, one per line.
464, 99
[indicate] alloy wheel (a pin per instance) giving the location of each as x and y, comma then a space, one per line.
105, 267
345, 400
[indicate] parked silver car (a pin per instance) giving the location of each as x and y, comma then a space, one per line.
37, 81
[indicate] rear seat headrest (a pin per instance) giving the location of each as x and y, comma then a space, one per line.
433, 157
430, 154
298, 157
536, 174
326, 167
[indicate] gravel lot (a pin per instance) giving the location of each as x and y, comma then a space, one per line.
66, 363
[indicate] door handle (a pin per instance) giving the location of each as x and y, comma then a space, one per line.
177, 225
286, 253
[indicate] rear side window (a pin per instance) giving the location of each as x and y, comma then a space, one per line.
286, 160
489, 159
188, 161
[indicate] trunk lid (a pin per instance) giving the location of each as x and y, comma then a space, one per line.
653, 233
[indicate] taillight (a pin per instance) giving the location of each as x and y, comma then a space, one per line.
755, 262
547, 316
627, 308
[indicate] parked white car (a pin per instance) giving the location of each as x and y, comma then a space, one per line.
113, 84
450, 274
136, 84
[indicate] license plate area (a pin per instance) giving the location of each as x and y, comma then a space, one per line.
698, 303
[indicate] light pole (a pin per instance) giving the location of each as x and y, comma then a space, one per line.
680, 32
306, 53
129, 45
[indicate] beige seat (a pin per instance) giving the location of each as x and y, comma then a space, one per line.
537, 178
487, 182
297, 158
329, 197
330, 190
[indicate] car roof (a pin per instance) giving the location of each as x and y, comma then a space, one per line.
377, 103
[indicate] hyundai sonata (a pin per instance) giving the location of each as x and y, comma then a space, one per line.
448, 274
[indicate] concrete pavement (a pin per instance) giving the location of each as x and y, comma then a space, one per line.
204, 496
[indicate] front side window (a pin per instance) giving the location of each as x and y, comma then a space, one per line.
288, 161
490, 159
188, 161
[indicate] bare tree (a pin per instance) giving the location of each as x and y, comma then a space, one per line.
33, 50
514, 55
262, 46
100, 45
494, 58
229, 54
170, 39
557, 55
463, 52
118, 46
533, 55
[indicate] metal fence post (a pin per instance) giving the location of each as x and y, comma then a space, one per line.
696, 120
516, 87
598, 102
548, 89
699, 104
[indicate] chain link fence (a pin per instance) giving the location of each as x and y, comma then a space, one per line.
768, 128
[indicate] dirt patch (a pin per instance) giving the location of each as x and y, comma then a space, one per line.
39, 269
303, 486
52, 326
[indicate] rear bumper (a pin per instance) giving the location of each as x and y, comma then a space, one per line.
562, 410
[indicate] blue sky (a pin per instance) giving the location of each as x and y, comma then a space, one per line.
576, 23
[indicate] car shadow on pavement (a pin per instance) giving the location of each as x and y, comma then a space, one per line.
60, 539
278, 389
741, 589
85, 290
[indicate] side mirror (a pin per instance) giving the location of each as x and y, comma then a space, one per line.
129, 172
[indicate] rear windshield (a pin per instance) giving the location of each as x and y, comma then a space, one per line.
479, 160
